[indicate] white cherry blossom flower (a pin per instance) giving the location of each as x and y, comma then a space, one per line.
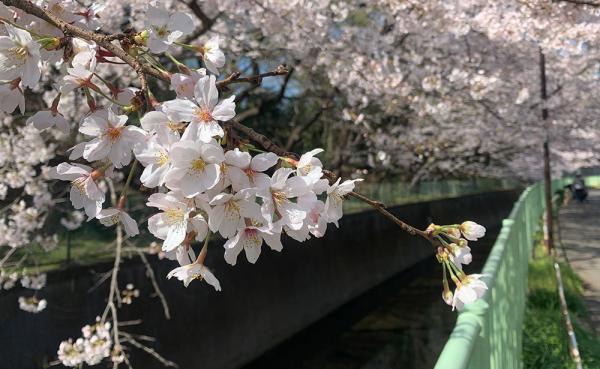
335, 197
64, 9
155, 158
165, 28
277, 207
71, 354
112, 216
19, 57
188, 273
45, 119
89, 17
316, 218
250, 239
11, 96
226, 217
470, 289
204, 113
167, 131
195, 167
32, 304
460, 255
84, 190
78, 76
183, 84
245, 171
472, 231
34, 282
113, 139
171, 225
308, 163
213, 57
84, 58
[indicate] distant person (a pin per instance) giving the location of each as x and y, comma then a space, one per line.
579, 190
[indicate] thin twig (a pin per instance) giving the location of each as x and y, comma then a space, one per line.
236, 77
129, 338
7, 256
101, 280
152, 277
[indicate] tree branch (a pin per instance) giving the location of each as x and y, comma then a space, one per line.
207, 22
580, 2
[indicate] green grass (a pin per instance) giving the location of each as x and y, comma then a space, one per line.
545, 344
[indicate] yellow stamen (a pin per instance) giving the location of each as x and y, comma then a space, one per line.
198, 166
174, 216
204, 115
114, 133
20, 52
163, 158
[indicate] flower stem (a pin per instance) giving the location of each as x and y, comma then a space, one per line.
129, 179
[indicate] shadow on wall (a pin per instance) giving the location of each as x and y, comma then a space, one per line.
260, 305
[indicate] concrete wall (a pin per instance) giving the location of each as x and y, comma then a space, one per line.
260, 305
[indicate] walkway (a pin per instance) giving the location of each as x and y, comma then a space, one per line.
580, 233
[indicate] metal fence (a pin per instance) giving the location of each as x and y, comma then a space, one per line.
488, 333
397, 193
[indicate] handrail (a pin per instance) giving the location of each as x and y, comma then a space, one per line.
488, 333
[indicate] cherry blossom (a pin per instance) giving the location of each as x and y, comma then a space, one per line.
45, 119
19, 56
84, 189
468, 291
195, 166
112, 216
11, 97
188, 273
165, 28
335, 194
250, 239
228, 211
245, 171
204, 113
277, 207
34, 282
32, 304
113, 139
213, 57
170, 225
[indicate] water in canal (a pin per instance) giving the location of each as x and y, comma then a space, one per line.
401, 323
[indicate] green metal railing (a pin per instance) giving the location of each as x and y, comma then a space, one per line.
488, 333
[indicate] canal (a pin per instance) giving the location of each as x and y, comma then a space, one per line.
401, 323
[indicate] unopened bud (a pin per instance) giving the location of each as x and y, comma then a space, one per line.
141, 38
447, 296
184, 69
96, 174
433, 229
50, 43
121, 204
290, 162
200, 49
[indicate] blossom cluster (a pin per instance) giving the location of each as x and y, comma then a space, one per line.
35, 282
203, 187
453, 253
94, 346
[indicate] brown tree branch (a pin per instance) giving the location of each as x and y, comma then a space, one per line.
236, 77
580, 2
207, 22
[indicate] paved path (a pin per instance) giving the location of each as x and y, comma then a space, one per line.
580, 233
